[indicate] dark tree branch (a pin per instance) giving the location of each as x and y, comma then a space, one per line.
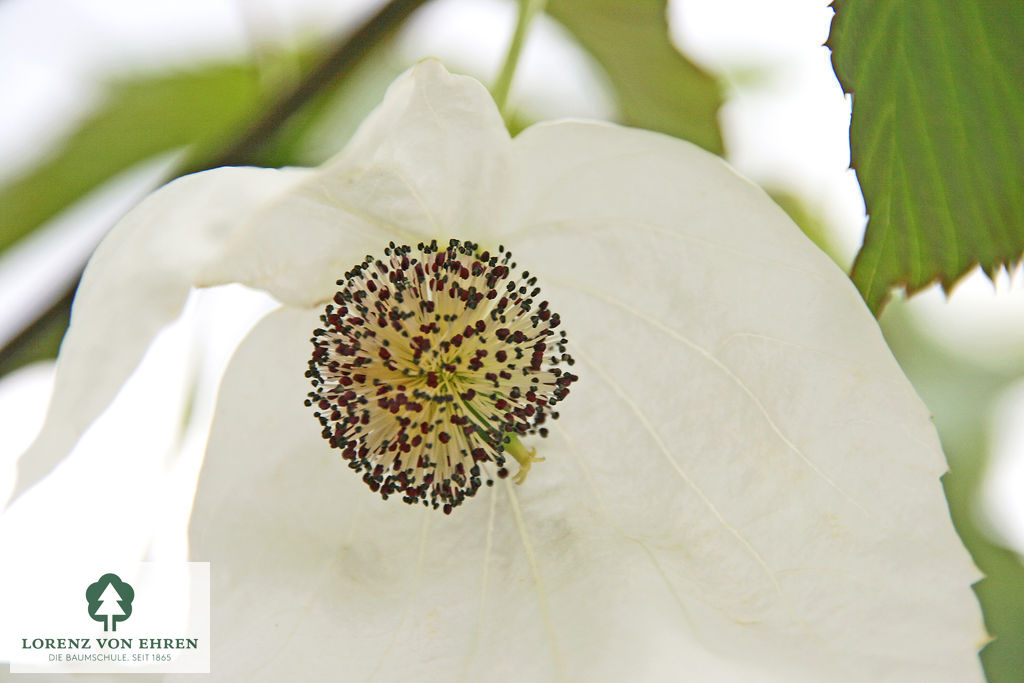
327, 74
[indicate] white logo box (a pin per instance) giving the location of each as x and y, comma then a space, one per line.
46, 625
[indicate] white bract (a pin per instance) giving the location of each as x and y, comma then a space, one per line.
742, 485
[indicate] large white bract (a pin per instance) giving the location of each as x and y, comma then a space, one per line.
743, 485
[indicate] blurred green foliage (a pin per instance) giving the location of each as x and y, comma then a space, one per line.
41, 340
657, 87
142, 117
810, 222
938, 123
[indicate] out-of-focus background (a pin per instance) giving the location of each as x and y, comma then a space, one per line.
104, 100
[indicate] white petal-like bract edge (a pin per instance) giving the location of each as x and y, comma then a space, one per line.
135, 284
430, 160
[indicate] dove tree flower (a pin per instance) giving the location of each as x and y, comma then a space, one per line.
741, 486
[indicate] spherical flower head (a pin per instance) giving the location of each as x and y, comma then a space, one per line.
430, 364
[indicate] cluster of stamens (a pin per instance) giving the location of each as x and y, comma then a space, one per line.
430, 364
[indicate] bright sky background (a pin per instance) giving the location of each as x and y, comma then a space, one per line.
785, 126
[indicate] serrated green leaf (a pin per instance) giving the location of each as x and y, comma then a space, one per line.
938, 120
142, 117
657, 87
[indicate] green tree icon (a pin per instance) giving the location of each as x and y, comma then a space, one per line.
110, 600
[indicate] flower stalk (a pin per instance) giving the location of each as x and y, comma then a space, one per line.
527, 10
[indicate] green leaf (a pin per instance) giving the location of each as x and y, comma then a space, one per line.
658, 88
142, 117
938, 119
